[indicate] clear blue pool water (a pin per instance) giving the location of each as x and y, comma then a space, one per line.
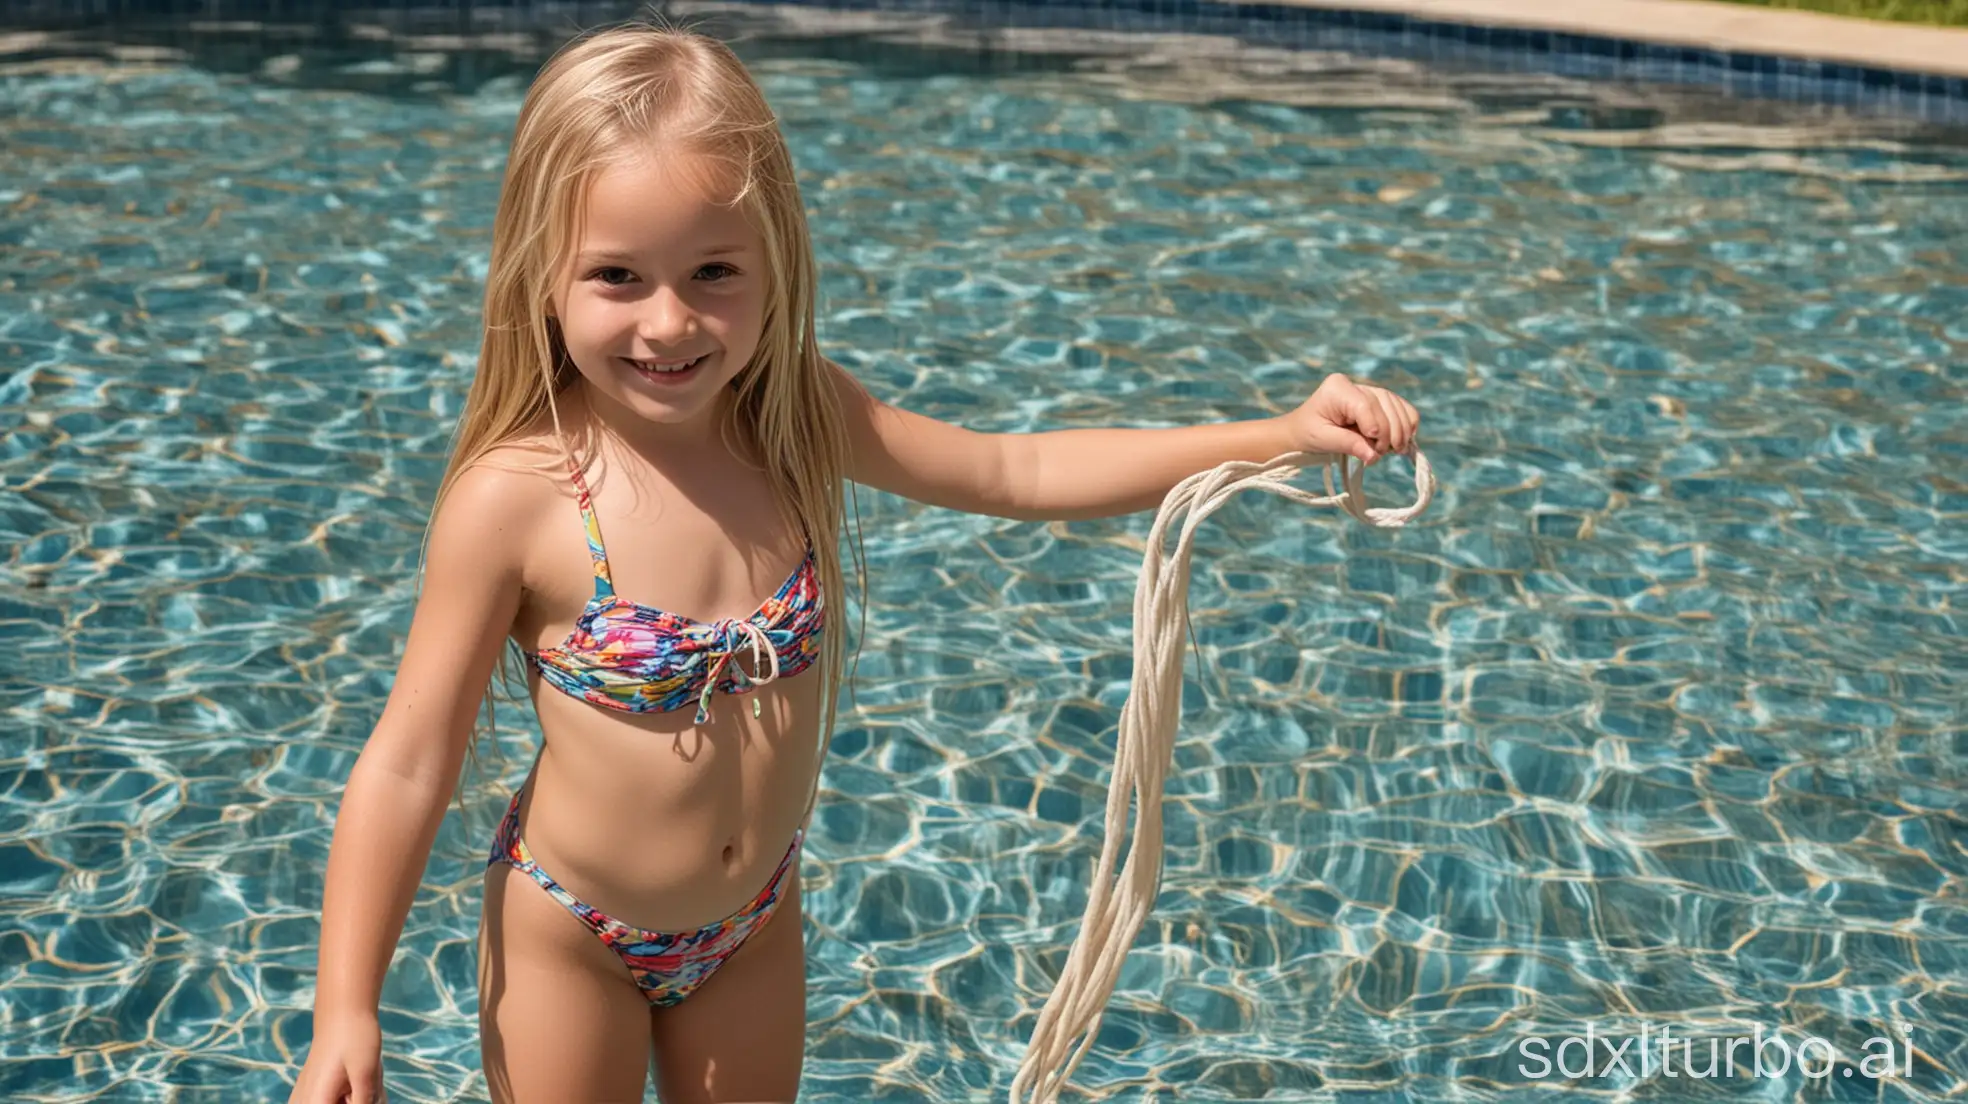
1654, 719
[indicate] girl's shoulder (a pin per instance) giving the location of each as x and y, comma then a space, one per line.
506, 494
518, 473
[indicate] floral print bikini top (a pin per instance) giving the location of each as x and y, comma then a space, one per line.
643, 660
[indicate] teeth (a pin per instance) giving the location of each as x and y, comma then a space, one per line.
649, 367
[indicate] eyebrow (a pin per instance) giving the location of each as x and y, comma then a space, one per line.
595, 255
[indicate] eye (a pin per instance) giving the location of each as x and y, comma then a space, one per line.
602, 271
725, 271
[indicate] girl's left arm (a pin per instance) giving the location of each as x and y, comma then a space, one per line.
1084, 473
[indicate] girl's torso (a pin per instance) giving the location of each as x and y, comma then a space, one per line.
651, 817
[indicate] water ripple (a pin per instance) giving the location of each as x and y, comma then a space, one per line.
1653, 720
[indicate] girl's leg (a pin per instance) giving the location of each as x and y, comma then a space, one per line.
741, 1036
559, 1017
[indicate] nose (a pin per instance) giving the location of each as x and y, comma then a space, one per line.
666, 321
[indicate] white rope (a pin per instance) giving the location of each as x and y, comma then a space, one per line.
1146, 742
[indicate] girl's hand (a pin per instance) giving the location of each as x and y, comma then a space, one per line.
1356, 419
344, 1063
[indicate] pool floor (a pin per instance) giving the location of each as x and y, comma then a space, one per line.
1654, 719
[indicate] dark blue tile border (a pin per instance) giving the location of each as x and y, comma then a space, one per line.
1932, 97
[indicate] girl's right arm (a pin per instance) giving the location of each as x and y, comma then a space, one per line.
403, 780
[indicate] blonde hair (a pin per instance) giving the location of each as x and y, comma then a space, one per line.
605, 97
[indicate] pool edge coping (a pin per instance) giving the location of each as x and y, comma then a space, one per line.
1734, 28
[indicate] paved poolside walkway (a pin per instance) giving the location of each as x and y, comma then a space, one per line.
1734, 27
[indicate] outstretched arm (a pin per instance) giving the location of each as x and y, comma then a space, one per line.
1083, 473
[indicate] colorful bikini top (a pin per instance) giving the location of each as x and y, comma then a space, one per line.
642, 660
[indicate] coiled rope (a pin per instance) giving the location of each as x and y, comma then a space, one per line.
1146, 742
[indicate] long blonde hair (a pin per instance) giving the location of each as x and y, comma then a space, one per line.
606, 96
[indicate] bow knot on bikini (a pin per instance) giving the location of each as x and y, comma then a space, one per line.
729, 632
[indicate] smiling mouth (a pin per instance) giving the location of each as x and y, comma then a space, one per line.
650, 368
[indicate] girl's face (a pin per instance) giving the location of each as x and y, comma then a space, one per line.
664, 275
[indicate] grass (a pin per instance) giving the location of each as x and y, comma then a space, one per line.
1945, 13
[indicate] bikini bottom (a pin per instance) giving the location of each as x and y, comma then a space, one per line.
666, 966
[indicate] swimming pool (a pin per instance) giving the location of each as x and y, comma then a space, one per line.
1654, 719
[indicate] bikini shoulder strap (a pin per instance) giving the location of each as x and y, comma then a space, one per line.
604, 582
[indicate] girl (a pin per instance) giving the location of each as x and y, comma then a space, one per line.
652, 441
